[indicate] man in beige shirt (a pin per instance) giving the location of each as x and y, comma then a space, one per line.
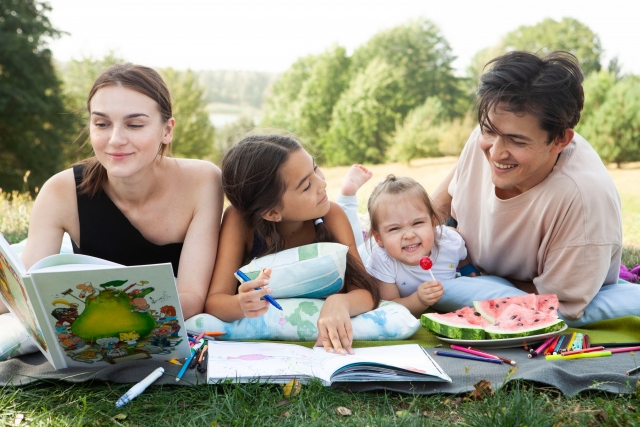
535, 205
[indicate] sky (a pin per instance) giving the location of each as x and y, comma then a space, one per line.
265, 35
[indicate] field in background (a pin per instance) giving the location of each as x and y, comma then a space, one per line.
15, 209
430, 172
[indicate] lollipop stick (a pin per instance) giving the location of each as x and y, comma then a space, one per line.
432, 276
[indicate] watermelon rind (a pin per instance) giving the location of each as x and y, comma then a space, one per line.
440, 326
495, 333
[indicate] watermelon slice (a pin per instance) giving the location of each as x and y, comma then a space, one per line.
517, 321
492, 308
464, 324
548, 303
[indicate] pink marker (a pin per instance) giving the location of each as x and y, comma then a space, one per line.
474, 352
426, 264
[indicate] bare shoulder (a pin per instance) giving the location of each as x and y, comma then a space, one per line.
197, 176
336, 220
335, 213
60, 189
199, 169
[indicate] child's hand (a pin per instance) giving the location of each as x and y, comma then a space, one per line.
430, 292
334, 326
250, 299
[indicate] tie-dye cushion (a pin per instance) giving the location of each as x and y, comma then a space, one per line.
310, 271
14, 339
298, 322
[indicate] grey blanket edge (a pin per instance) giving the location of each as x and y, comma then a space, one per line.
570, 376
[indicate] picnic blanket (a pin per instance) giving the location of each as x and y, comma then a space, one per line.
570, 376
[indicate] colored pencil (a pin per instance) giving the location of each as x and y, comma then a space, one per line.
187, 362
625, 349
616, 344
504, 359
541, 348
633, 371
566, 344
199, 337
584, 350
579, 356
569, 343
474, 352
215, 333
467, 356
587, 342
559, 343
204, 350
202, 367
549, 349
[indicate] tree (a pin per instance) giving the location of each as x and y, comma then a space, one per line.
418, 136
365, 115
279, 107
327, 80
230, 134
32, 127
548, 35
613, 129
302, 100
194, 133
424, 55
596, 87
569, 34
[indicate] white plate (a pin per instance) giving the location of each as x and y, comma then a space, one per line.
502, 343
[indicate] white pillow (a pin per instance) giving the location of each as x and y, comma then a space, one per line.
310, 271
298, 322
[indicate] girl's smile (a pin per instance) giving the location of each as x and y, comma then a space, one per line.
407, 229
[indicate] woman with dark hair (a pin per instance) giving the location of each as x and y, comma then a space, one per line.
131, 203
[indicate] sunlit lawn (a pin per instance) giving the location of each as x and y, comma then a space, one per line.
63, 404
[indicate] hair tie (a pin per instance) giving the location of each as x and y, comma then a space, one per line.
318, 221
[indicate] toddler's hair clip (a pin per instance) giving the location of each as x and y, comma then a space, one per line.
318, 221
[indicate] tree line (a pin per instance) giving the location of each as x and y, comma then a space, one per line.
397, 97
394, 99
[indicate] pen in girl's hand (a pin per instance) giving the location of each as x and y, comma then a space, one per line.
271, 301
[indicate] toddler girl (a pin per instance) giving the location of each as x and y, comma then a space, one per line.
406, 227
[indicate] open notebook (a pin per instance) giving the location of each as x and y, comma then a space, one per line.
279, 363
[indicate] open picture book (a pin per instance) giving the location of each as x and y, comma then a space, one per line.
84, 311
280, 363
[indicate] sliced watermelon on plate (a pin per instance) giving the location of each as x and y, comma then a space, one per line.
517, 321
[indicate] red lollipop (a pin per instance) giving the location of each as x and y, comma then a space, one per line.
426, 264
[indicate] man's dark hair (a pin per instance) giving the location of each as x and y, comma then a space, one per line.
548, 88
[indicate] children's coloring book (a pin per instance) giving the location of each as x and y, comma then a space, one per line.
280, 363
84, 311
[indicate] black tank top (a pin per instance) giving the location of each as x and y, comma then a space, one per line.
106, 233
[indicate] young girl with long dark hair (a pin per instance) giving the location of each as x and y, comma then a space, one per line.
279, 202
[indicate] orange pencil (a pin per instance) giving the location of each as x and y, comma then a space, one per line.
215, 334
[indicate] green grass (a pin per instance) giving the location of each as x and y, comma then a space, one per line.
48, 403
15, 209
519, 403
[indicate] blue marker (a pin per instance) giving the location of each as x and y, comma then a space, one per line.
246, 278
